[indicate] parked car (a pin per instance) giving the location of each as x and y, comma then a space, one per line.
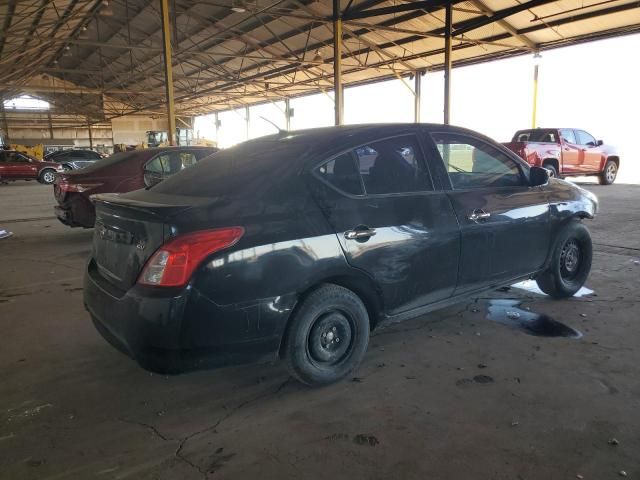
118, 173
73, 159
291, 246
567, 152
19, 166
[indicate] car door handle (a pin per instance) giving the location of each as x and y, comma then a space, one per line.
359, 234
478, 214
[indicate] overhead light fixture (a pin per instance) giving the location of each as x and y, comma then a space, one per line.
537, 58
238, 6
83, 33
105, 9
318, 57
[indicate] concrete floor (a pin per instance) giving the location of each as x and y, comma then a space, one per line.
447, 396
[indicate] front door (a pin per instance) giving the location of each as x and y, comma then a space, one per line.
391, 221
16, 165
591, 153
504, 223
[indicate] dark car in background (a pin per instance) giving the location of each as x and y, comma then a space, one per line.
73, 159
298, 244
118, 173
20, 166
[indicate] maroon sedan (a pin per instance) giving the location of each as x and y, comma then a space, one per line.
119, 173
19, 166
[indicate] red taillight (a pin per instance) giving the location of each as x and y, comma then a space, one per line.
76, 187
174, 262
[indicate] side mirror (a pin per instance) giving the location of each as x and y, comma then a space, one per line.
599, 143
538, 176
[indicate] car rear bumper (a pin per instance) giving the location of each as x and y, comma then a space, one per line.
163, 334
77, 213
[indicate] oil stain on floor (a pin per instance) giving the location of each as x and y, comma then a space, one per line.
510, 312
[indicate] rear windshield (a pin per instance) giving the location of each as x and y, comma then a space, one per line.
542, 135
253, 166
111, 160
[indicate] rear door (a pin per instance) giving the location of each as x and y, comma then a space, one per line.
504, 223
392, 221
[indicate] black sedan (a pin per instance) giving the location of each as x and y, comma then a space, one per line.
297, 245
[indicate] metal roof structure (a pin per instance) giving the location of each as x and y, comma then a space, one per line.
231, 53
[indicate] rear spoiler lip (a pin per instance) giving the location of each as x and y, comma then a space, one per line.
161, 211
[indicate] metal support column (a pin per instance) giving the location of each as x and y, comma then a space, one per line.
5, 124
168, 71
90, 134
447, 62
287, 114
217, 120
338, 91
534, 113
50, 125
246, 119
417, 93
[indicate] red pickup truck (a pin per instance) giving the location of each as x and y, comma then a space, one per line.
566, 152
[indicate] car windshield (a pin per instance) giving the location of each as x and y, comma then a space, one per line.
541, 135
253, 164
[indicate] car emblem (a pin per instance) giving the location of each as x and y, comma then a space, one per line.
140, 245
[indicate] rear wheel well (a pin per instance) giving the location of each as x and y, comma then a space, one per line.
552, 161
363, 287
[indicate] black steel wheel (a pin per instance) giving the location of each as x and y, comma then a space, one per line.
327, 336
570, 262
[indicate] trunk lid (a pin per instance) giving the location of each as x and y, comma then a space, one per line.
127, 232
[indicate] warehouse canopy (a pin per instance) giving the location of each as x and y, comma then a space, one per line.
229, 53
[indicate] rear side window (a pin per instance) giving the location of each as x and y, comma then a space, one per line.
341, 172
165, 165
395, 165
89, 155
473, 163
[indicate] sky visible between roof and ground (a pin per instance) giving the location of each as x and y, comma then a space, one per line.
593, 86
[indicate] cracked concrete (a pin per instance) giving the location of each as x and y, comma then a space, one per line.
550, 411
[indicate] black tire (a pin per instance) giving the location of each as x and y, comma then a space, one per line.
327, 336
47, 176
570, 262
609, 173
553, 172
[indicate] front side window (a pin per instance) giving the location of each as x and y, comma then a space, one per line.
568, 135
15, 157
474, 163
585, 139
394, 165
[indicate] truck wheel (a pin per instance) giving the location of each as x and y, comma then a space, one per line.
552, 170
570, 262
608, 175
327, 336
47, 176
